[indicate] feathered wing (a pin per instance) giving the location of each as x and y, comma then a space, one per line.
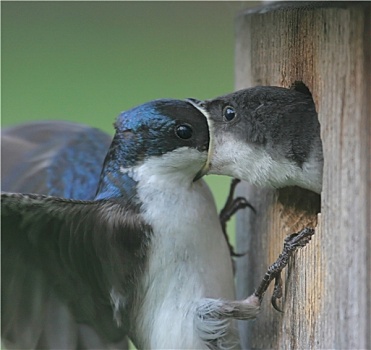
53, 158
85, 250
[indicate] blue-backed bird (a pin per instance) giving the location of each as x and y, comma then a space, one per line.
145, 256
265, 135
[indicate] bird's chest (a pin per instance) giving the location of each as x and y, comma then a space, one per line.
188, 260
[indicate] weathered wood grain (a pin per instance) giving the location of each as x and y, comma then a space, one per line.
327, 297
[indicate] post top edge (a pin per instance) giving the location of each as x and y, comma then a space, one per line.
301, 5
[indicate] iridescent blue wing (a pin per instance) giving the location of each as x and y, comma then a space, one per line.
53, 158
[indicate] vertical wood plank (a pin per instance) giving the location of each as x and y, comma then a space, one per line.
327, 297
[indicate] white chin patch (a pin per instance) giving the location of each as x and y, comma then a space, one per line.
250, 163
184, 162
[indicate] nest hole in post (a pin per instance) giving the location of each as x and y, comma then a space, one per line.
299, 205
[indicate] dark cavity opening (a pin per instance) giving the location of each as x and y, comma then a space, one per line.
299, 86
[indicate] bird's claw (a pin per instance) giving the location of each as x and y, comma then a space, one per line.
277, 292
291, 243
298, 240
231, 206
274, 304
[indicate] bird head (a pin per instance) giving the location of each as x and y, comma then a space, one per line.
269, 136
164, 136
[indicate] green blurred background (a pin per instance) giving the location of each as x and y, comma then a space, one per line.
87, 61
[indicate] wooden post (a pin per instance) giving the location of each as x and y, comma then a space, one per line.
327, 296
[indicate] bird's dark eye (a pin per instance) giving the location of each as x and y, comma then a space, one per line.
229, 113
184, 131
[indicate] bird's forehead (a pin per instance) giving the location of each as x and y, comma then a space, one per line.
145, 115
159, 113
236, 99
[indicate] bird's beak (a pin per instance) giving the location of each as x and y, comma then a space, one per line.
202, 172
200, 105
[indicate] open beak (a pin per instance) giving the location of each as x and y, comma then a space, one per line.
200, 105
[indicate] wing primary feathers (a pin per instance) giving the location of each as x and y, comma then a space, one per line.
85, 248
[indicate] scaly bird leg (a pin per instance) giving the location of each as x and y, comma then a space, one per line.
211, 310
231, 206
292, 242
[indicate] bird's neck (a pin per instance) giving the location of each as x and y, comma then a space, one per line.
121, 177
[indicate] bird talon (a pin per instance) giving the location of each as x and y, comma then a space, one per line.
300, 239
231, 206
274, 304
277, 291
291, 243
